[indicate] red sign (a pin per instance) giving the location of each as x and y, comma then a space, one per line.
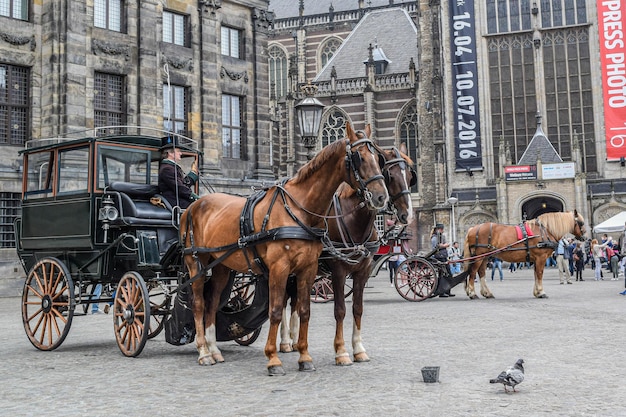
612, 37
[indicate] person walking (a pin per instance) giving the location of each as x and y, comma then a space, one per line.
579, 261
597, 250
454, 255
497, 263
562, 263
512, 267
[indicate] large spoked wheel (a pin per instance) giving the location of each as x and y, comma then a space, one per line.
48, 304
416, 279
131, 314
250, 338
322, 291
159, 309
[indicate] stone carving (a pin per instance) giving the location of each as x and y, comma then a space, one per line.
101, 47
179, 63
209, 5
19, 40
235, 76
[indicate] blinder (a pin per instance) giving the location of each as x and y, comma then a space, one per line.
413, 180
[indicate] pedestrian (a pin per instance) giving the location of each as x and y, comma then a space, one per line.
562, 263
597, 250
512, 267
497, 263
454, 255
571, 245
579, 261
615, 266
440, 246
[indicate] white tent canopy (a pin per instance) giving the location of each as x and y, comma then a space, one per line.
613, 224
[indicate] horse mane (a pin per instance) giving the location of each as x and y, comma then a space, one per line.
310, 168
558, 223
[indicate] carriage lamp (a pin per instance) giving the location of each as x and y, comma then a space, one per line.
309, 113
107, 214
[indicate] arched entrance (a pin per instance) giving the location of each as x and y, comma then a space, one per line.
539, 205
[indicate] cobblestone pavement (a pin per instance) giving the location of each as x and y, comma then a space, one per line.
573, 345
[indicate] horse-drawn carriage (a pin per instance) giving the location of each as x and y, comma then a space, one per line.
93, 229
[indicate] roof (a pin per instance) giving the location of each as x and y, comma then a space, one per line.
390, 29
539, 148
291, 8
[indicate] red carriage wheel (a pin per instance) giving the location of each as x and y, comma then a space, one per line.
416, 279
48, 304
131, 314
322, 290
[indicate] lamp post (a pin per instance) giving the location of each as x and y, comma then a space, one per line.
309, 113
453, 201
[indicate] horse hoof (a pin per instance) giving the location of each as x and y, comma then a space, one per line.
275, 370
206, 360
473, 297
542, 296
361, 357
218, 358
286, 347
306, 367
489, 296
343, 361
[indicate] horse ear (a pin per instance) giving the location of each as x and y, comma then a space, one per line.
403, 148
349, 132
368, 130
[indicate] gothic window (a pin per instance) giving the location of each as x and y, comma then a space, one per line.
333, 126
232, 126
108, 101
278, 71
17, 9
408, 132
508, 15
108, 14
568, 95
175, 28
175, 109
232, 42
513, 96
327, 50
14, 105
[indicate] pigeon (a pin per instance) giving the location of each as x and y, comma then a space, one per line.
513, 376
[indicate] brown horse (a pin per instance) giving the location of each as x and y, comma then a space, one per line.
533, 242
355, 237
283, 239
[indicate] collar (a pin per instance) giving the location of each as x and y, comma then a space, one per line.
170, 162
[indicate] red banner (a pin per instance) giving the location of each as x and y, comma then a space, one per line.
612, 36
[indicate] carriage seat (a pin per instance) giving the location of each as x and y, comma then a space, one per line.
133, 202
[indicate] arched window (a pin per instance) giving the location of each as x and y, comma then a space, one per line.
327, 50
333, 126
407, 130
278, 69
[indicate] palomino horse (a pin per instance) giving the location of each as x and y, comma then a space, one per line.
354, 231
532, 241
223, 232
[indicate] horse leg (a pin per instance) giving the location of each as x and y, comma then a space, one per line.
208, 352
289, 327
359, 279
305, 283
538, 292
342, 357
469, 281
484, 289
277, 286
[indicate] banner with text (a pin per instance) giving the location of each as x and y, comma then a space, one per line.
467, 139
612, 34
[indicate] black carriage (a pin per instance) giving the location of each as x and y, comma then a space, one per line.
94, 229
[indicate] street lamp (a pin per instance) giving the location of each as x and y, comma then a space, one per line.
453, 201
309, 112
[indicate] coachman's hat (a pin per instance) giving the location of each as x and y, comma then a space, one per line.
168, 142
439, 226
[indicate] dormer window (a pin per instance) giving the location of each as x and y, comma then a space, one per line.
378, 59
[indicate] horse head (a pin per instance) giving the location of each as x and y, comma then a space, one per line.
579, 226
399, 177
364, 164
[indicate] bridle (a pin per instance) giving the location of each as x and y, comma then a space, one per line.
401, 162
354, 162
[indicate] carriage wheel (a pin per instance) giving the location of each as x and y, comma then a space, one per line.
250, 338
131, 314
159, 309
322, 290
416, 279
48, 304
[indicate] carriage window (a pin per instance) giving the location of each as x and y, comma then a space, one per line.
122, 164
73, 170
40, 175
